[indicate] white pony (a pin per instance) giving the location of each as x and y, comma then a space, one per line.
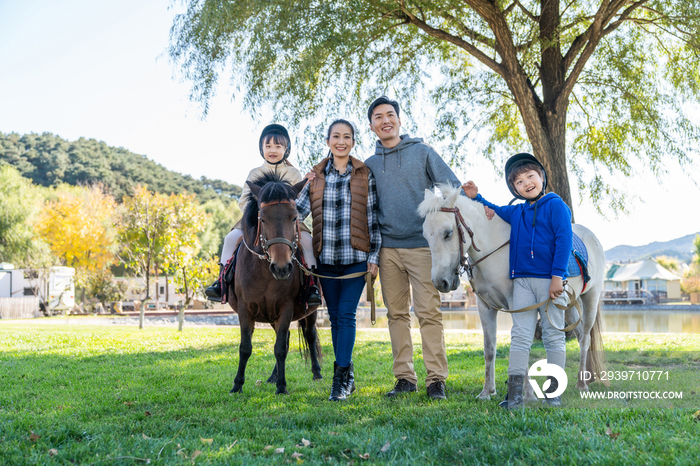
492, 280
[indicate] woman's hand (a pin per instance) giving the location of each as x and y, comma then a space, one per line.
310, 176
556, 287
489, 212
374, 269
470, 189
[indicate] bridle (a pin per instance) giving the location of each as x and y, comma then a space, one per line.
465, 262
261, 240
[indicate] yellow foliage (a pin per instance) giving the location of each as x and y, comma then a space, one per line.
78, 227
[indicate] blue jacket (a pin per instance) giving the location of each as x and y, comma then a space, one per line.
538, 249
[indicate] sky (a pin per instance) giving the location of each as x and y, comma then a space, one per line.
100, 69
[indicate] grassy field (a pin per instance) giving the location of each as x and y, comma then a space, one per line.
120, 396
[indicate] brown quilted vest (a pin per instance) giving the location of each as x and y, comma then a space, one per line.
359, 188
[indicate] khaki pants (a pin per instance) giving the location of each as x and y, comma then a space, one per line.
400, 271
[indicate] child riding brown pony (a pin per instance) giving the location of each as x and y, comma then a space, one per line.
268, 284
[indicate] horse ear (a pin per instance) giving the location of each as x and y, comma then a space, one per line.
299, 186
450, 201
254, 188
428, 195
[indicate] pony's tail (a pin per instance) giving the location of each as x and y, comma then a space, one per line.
304, 349
596, 353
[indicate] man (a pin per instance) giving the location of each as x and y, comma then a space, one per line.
403, 168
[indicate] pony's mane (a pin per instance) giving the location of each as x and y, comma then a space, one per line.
435, 203
274, 188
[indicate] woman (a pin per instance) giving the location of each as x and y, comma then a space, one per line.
342, 200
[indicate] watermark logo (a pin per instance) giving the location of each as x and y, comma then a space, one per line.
541, 368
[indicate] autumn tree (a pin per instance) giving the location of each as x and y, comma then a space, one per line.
181, 253
589, 86
78, 226
143, 228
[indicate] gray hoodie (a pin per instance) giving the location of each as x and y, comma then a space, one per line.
403, 173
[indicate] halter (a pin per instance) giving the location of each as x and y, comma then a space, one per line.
465, 263
264, 242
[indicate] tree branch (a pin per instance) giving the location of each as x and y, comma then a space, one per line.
527, 12
456, 40
473, 35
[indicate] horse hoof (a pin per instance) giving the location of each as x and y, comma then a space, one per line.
236, 389
582, 387
282, 392
484, 395
318, 376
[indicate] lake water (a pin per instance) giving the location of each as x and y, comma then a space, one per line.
615, 321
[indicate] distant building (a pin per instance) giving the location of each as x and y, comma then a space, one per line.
162, 292
644, 275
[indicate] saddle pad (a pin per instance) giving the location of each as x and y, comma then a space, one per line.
580, 248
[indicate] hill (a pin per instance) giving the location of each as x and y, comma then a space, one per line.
680, 248
49, 160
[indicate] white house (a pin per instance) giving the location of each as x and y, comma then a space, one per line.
644, 275
162, 292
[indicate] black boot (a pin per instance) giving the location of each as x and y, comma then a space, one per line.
339, 387
213, 293
350, 380
514, 398
313, 295
554, 402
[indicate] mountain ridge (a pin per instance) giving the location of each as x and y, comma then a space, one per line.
680, 248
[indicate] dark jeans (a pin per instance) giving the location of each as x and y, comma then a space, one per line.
342, 297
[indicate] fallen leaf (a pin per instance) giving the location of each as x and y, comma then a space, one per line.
196, 454
305, 442
296, 455
511, 414
33, 437
696, 416
208, 441
258, 383
692, 392
147, 413
267, 447
128, 403
385, 448
487, 411
403, 438
53, 452
611, 434
364, 457
146, 437
279, 450
332, 433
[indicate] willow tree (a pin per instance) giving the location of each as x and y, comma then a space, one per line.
587, 86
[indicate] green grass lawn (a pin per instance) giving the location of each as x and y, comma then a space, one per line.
120, 396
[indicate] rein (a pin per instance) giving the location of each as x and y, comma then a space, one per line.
466, 265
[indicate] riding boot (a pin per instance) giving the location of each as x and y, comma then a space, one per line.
313, 295
554, 402
350, 380
213, 293
338, 389
514, 398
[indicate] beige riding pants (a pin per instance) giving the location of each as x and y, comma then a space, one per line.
402, 271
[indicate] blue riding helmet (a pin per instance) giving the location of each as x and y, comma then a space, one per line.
519, 159
275, 129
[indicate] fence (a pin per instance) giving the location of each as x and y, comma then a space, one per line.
19, 308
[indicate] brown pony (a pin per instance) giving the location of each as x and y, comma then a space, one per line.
268, 283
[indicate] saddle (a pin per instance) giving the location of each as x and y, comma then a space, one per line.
578, 261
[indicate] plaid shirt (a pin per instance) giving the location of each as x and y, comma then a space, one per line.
337, 209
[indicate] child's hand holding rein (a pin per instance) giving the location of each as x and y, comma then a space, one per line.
556, 287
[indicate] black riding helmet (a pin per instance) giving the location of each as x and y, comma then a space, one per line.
275, 129
519, 159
